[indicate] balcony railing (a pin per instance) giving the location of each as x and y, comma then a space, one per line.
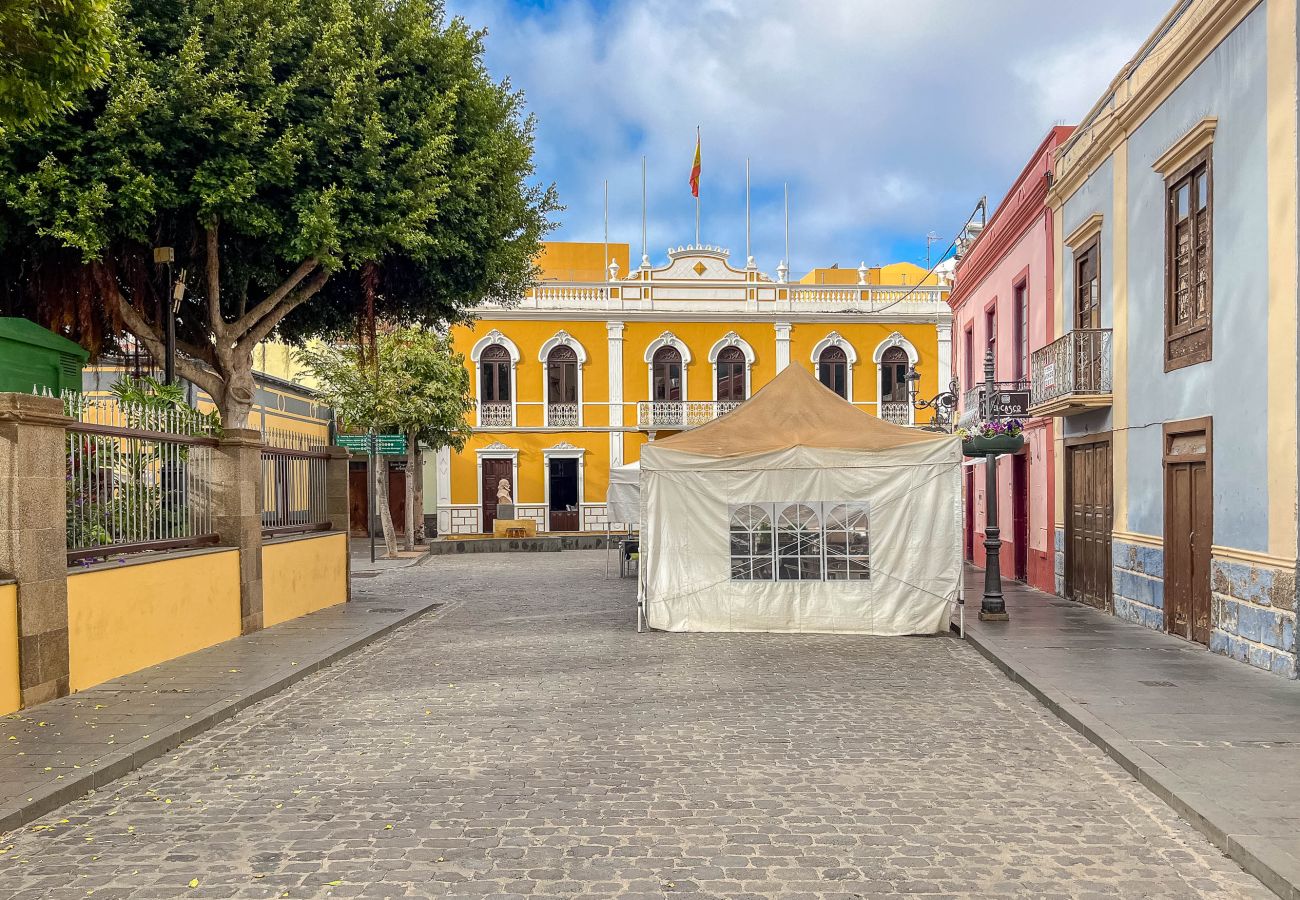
562, 415
897, 411
1072, 374
670, 414
495, 415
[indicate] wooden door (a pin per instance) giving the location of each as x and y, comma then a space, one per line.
1020, 515
358, 494
494, 470
1189, 525
562, 475
397, 495
1087, 523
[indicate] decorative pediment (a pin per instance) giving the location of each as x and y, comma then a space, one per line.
494, 337
668, 339
834, 339
896, 340
732, 339
702, 262
562, 339
496, 447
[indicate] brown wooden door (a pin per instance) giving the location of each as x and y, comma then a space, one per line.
1088, 523
397, 495
358, 493
1187, 550
494, 470
1020, 515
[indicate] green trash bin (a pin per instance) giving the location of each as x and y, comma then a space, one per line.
32, 357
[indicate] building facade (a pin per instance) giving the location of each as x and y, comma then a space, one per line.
596, 360
1002, 298
1174, 378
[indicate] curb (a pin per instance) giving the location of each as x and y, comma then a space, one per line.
110, 768
1222, 828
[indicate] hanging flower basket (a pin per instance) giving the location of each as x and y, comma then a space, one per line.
993, 437
992, 445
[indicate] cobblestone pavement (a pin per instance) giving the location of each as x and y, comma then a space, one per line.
527, 742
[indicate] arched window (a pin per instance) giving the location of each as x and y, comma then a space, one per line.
494, 401
833, 370
731, 375
667, 376
799, 543
893, 375
751, 543
562, 387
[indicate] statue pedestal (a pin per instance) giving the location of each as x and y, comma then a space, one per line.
514, 528
505, 510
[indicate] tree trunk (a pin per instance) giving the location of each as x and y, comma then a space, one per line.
236, 401
385, 511
410, 490
420, 535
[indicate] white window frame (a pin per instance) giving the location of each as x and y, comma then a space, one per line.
497, 450
822, 509
560, 339
731, 339
475, 355
835, 339
563, 450
667, 339
894, 340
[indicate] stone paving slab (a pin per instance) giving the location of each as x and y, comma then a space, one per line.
1217, 740
53, 753
527, 742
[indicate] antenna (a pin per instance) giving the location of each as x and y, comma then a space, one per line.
930, 240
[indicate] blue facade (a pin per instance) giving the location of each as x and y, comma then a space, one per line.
1254, 603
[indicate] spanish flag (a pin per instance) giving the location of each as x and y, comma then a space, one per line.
695, 167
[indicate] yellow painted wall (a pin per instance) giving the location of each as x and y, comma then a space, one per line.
303, 575
531, 488
579, 260
10, 694
125, 618
865, 337
903, 273
699, 337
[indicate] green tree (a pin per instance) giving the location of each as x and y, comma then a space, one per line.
414, 384
312, 162
50, 51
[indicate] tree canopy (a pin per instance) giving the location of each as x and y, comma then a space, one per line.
50, 51
304, 158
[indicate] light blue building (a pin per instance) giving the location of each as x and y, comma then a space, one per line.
1175, 373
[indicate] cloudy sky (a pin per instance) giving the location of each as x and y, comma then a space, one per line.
887, 118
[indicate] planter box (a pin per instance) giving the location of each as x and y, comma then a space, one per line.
992, 446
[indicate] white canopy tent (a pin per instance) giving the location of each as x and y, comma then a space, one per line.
623, 498
799, 512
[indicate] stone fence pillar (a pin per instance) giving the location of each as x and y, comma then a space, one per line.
33, 538
337, 482
237, 514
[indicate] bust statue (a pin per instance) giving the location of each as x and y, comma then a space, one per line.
503, 491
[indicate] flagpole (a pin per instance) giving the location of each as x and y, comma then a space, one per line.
787, 223
697, 192
605, 256
645, 253
747, 254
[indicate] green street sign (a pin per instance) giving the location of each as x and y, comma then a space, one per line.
384, 444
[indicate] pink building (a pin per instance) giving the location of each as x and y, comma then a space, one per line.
1001, 298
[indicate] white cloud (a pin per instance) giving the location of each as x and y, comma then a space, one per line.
888, 119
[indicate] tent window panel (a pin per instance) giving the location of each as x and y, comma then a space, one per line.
847, 542
751, 542
799, 543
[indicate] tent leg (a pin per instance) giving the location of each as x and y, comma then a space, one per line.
607, 548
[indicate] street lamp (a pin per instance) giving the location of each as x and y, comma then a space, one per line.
993, 607
943, 403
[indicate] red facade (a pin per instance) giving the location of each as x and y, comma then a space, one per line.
1002, 297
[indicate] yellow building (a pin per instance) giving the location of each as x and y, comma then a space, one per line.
595, 361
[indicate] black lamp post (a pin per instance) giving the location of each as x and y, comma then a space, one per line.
992, 608
943, 403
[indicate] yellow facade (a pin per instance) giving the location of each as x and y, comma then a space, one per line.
302, 575
697, 304
581, 261
10, 695
125, 618
901, 274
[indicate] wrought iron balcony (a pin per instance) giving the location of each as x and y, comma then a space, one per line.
562, 415
898, 412
1072, 374
495, 415
652, 415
